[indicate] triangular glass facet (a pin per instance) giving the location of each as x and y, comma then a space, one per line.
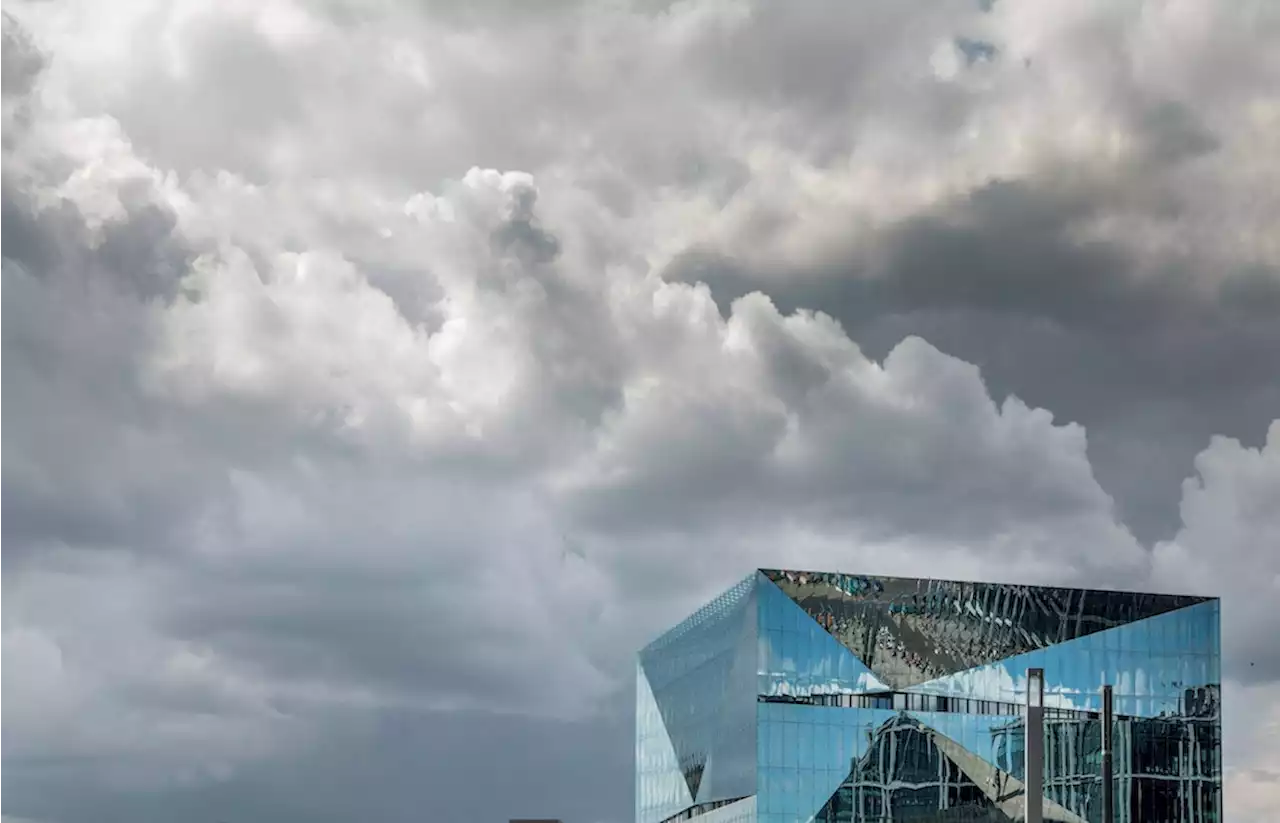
688, 670
806, 752
903, 755
730, 768
661, 789
1167, 664
801, 658
910, 631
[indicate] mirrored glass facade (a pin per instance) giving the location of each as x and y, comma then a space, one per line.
802, 696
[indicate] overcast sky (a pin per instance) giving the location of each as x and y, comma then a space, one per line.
378, 376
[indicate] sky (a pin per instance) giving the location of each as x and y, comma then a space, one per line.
379, 376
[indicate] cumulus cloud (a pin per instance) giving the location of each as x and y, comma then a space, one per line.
383, 380
1231, 527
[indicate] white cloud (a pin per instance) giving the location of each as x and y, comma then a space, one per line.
1231, 524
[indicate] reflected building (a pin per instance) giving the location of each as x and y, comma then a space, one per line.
800, 696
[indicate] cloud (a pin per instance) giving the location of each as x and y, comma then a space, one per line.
336, 503
378, 392
1230, 521
1251, 786
1085, 174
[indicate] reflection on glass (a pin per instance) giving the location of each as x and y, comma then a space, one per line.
798, 657
1165, 769
910, 631
661, 789
832, 697
908, 772
701, 675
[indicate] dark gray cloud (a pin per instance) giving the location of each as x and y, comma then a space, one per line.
481, 766
74, 327
23, 62
1152, 362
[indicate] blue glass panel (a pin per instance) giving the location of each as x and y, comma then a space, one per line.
1151, 664
909, 771
731, 761
799, 658
979, 734
689, 670
661, 790
816, 750
909, 631
710, 632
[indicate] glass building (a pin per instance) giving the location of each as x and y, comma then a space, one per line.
806, 696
